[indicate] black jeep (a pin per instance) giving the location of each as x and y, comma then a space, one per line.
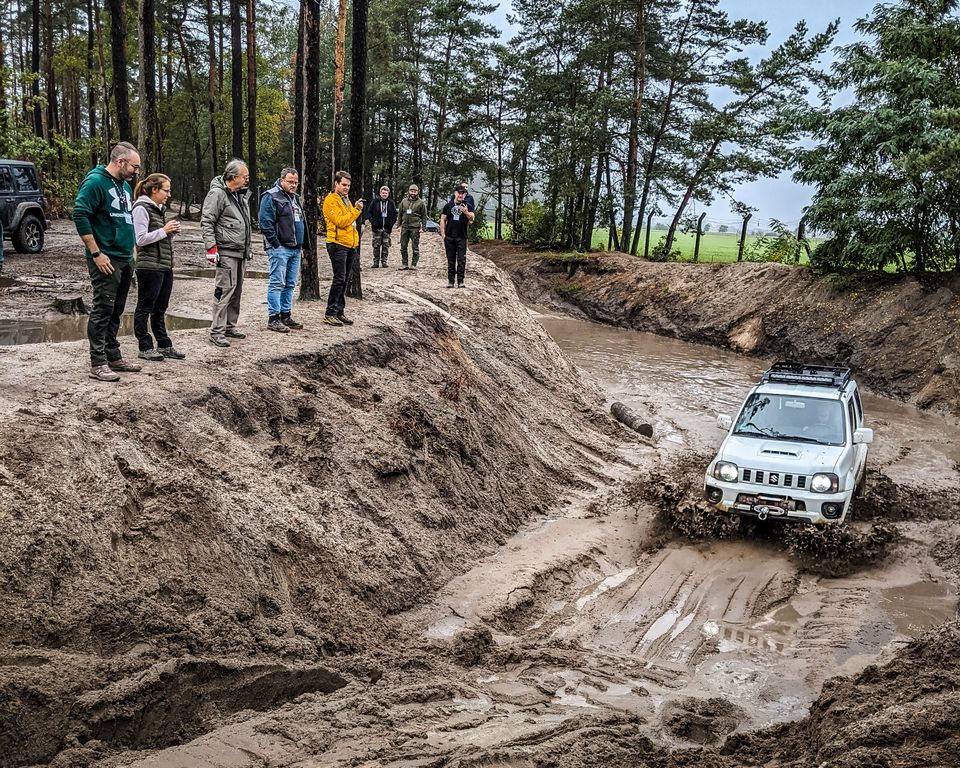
22, 206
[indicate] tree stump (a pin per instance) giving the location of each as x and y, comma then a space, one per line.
70, 305
631, 419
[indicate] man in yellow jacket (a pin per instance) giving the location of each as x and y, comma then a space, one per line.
343, 242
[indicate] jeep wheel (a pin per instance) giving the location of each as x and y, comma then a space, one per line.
28, 237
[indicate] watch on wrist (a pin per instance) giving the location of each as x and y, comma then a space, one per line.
95, 254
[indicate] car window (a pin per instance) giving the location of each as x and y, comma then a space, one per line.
787, 417
856, 400
853, 417
24, 178
6, 184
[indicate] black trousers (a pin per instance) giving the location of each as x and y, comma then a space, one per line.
456, 248
153, 297
109, 299
340, 259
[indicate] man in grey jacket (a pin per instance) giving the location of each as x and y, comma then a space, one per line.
225, 222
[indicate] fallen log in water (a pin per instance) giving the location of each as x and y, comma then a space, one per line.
631, 419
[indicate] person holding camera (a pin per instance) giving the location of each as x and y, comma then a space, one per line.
454, 220
154, 237
343, 240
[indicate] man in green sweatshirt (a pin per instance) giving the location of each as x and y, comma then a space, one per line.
102, 215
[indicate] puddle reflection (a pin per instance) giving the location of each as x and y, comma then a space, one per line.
74, 328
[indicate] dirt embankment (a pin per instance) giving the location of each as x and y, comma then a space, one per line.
414, 542
218, 534
900, 334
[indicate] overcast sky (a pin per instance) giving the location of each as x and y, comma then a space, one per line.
773, 198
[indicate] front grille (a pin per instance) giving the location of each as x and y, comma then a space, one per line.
779, 479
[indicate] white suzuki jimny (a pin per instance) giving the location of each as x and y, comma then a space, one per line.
798, 449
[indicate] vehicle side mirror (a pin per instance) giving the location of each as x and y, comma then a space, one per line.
724, 420
862, 436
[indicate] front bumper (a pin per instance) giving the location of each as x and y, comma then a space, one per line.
770, 504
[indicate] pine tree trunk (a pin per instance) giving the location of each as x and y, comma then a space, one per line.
35, 68
252, 107
639, 81
338, 80
358, 98
212, 90
236, 77
53, 118
310, 32
91, 83
194, 108
298, 100
102, 63
118, 57
147, 67
3, 80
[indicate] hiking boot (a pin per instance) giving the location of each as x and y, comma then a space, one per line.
459, 285
150, 354
344, 320
376, 266
103, 373
235, 334
219, 341
172, 353
332, 320
290, 322
449, 285
123, 366
275, 324
403, 267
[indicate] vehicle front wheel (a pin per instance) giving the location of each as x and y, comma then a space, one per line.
28, 237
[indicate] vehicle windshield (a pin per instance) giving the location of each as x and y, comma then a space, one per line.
786, 417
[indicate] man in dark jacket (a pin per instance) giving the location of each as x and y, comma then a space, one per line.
102, 215
225, 223
282, 226
382, 215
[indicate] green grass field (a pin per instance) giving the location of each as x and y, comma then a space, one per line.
714, 246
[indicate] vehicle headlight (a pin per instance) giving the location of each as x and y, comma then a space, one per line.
726, 471
824, 482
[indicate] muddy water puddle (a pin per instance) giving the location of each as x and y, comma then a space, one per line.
689, 384
250, 274
74, 328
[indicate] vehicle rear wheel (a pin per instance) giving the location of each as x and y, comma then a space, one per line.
28, 237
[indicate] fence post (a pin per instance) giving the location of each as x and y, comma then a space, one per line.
696, 244
743, 236
646, 242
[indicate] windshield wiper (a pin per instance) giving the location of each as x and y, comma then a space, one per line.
753, 433
800, 438
757, 430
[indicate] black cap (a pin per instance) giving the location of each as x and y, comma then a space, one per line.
461, 188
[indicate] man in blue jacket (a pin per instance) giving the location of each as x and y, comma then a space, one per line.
282, 227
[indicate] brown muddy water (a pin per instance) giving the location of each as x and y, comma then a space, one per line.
735, 621
74, 328
690, 384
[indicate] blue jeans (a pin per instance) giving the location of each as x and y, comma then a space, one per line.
284, 265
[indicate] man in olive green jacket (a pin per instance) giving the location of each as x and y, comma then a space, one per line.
227, 234
413, 220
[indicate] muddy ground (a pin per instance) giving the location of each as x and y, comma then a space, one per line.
421, 541
900, 334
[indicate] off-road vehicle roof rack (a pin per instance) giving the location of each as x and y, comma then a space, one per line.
789, 372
